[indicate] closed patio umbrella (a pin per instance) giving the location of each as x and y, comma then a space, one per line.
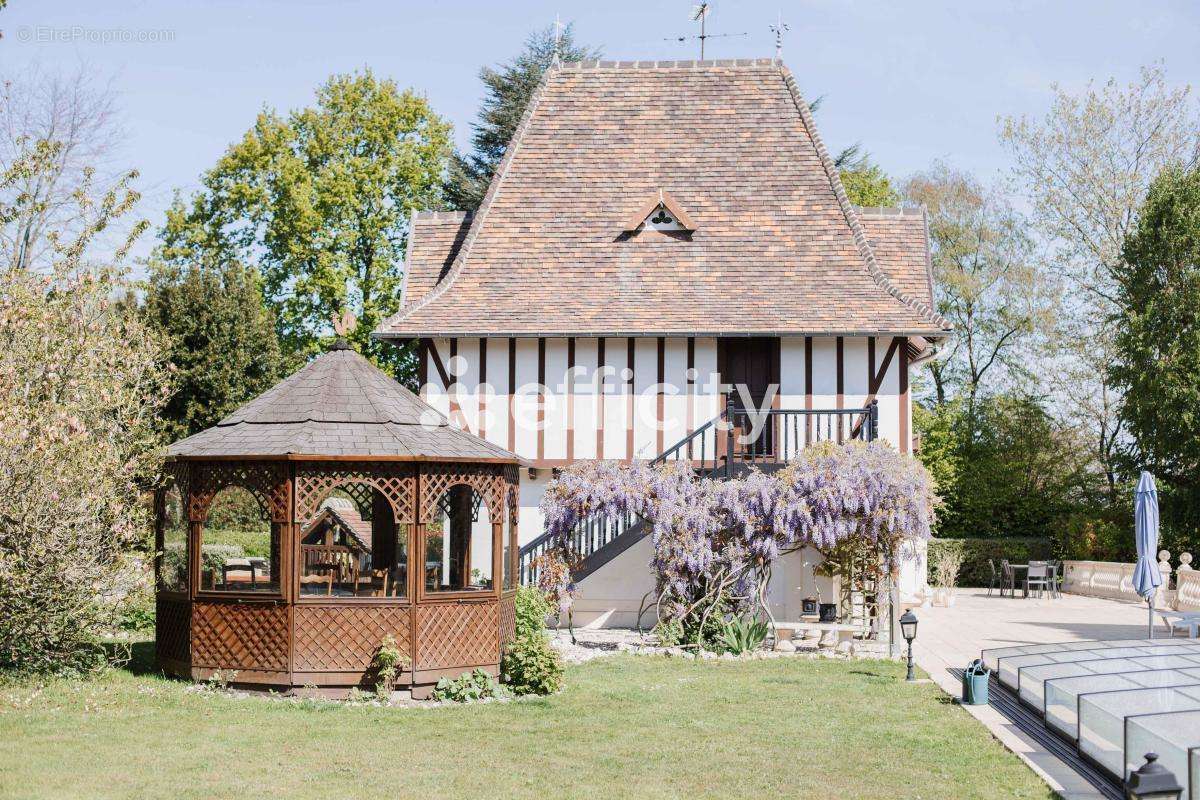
1146, 577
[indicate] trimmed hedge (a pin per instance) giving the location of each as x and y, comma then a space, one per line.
976, 552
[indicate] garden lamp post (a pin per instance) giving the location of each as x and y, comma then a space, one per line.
908, 628
1152, 781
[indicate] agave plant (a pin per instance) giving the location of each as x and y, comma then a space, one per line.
743, 635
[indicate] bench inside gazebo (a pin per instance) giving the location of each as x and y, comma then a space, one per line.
331, 513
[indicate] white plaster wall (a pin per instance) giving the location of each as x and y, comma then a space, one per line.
434, 392
706, 401
583, 398
791, 372
529, 516
675, 402
526, 401
556, 401
645, 377
610, 596
616, 394
855, 372
500, 392
889, 394
792, 580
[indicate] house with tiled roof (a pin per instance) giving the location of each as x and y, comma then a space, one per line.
666, 247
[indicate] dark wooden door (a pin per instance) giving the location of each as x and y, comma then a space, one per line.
751, 366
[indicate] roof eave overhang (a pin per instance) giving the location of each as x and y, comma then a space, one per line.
343, 457
925, 333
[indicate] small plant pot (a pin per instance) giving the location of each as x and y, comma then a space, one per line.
808, 605
943, 597
828, 612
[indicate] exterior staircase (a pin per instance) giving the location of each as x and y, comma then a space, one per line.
722, 448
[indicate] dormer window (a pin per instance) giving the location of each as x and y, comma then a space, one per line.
660, 213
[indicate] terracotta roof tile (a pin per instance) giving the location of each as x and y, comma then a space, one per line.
777, 247
899, 238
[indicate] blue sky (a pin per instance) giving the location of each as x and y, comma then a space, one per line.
914, 81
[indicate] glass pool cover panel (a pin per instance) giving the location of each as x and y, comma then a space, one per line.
992, 655
1062, 694
1102, 721
1169, 735
1032, 679
1011, 666
1117, 700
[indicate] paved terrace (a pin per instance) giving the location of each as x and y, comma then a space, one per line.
949, 638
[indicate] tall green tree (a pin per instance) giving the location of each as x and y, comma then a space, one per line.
1085, 167
866, 184
220, 337
1156, 362
989, 284
1005, 468
320, 199
508, 90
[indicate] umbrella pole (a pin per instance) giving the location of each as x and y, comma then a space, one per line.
1150, 607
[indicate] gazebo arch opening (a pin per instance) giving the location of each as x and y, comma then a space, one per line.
461, 544
239, 544
352, 546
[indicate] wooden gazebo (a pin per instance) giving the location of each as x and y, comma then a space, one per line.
417, 538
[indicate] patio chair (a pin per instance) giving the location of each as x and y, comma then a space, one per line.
239, 570
320, 578
1056, 578
1186, 621
994, 579
1037, 577
1008, 576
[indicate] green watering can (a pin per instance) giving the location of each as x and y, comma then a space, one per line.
975, 684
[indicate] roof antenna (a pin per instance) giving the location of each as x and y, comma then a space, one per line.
779, 29
558, 34
700, 14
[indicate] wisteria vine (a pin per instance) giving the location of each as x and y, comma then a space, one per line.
717, 540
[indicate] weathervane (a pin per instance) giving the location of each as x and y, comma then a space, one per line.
345, 324
779, 29
700, 14
558, 34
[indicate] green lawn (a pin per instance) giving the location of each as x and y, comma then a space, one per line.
624, 727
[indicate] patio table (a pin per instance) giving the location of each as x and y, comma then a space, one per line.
1025, 590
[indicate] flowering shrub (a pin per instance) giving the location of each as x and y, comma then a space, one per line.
529, 665
80, 384
715, 542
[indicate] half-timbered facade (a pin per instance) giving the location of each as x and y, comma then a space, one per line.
662, 242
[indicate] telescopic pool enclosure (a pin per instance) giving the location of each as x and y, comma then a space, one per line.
1115, 700
333, 513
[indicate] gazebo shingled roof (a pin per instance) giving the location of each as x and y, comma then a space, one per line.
338, 405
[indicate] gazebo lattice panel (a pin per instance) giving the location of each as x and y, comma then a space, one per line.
267, 481
240, 636
395, 481
172, 628
483, 478
508, 619
457, 635
346, 638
